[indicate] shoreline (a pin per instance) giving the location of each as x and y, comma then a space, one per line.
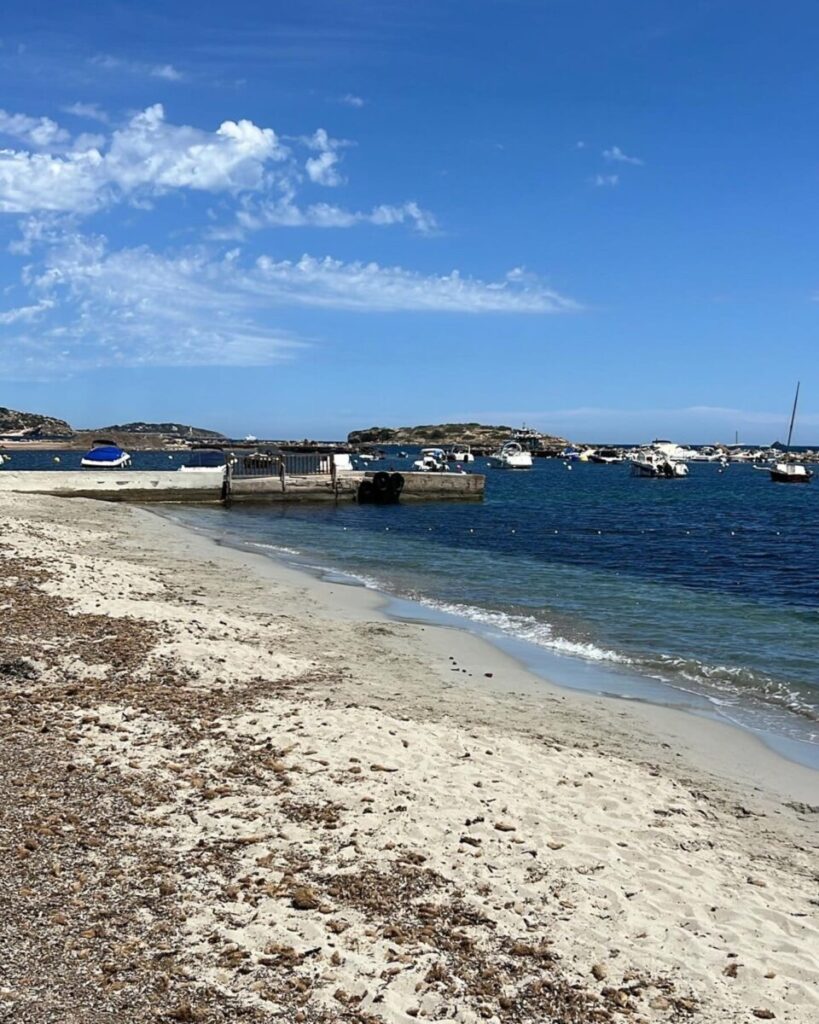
532, 674
273, 798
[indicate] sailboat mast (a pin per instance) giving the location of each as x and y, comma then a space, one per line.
793, 417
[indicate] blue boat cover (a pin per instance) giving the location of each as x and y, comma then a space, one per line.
104, 454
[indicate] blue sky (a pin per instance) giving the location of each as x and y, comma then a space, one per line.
595, 216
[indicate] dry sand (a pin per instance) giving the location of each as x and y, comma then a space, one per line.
233, 793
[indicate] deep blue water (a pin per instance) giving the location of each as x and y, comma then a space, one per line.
709, 584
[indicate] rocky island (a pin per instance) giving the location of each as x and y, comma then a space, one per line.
37, 430
475, 434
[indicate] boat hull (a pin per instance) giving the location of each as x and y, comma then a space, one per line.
511, 463
778, 477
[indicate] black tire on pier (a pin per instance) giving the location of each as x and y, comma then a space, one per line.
366, 492
396, 484
381, 482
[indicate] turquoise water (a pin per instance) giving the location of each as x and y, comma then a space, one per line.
705, 588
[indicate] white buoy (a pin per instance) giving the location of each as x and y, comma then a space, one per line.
56, 458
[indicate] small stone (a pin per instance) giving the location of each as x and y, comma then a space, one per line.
764, 1013
757, 881
599, 971
304, 899
659, 1003
770, 974
504, 826
470, 840
555, 846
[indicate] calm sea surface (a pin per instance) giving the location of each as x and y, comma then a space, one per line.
706, 589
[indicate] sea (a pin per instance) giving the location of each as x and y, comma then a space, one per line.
701, 592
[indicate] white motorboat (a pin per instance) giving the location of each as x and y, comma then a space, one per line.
674, 452
607, 456
656, 465
105, 455
511, 455
787, 472
3, 458
460, 453
431, 460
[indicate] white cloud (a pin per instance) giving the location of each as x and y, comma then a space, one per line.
322, 169
285, 213
369, 287
89, 111
147, 155
98, 307
616, 155
25, 313
351, 100
139, 308
606, 180
39, 132
151, 152
165, 71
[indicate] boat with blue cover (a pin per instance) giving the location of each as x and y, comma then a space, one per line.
105, 454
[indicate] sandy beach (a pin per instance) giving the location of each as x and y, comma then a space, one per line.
232, 792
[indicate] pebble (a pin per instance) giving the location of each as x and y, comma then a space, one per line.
304, 899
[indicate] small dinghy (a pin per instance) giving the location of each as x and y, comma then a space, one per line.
105, 455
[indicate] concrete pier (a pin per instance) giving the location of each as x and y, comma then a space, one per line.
142, 486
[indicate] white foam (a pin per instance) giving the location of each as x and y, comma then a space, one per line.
524, 627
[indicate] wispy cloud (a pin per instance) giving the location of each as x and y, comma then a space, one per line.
351, 100
98, 307
25, 313
617, 156
605, 180
89, 111
369, 287
167, 72
284, 212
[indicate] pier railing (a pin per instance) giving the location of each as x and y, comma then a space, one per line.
272, 463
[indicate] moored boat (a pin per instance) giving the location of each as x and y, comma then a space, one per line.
790, 473
204, 460
788, 470
459, 453
511, 455
431, 460
607, 456
657, 466
105, 454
